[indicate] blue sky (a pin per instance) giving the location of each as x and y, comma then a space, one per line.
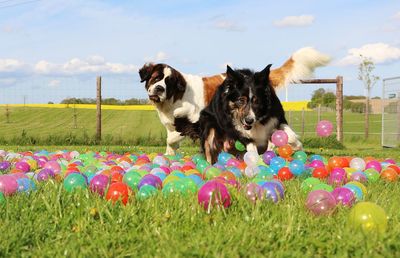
50, 50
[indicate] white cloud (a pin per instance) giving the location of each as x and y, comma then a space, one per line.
11, 65
54, 83
295, 21
7, 81
228, 25
397, 16
378, 52
158, 58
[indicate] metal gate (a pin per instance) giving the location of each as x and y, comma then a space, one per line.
391, 112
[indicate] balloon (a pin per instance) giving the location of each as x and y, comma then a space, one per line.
150, 180
309, 183
25, 185
273, 191
213, 193
240, 146
22, 166
374, 164
4, 165
372, 175
358, 164
267, 156
358, 193
321, 202
45, 174
296, 167
285, 151
277, 163
358, 176
251, 171
322, 186
53, 165
344, 196
279, 138
368, 217
300, 155
285, 174
251, 158
8, 185
99, 184
132, 179
74, 181
254, 192
320, 172
337, 177
389, 174
324, 128
118, 191
212, 172
146, 191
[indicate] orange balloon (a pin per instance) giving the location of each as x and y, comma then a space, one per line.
285, 151
116, 177
228, 175
396, 168
242, 166
106, 172
389, 174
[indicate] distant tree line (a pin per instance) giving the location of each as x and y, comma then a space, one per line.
328, 99
105, 101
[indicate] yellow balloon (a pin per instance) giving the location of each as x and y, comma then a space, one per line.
368, 217
170, 178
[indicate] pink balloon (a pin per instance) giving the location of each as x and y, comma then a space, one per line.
8, 185
23, 166
324, 128
254, 192
320, 202
279, 138
375, 165
214, 193
53, 165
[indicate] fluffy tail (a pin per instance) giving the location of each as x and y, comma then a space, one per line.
187, 128
300, 65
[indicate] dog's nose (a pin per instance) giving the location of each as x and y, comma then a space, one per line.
159, 89
249, 120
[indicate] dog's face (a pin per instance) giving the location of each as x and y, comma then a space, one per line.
248, 95
162, 82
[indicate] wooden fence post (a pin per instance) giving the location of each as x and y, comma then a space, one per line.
98, 110
339, 108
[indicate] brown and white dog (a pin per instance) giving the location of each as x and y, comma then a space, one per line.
179, 95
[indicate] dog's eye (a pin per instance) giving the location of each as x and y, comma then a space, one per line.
255, 100
241, 102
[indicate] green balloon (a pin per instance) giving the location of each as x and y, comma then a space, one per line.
74, 181
171, 188
240, 146
300, 155
368, 217
190, 185
2, 199
146, 191
201, 165
197, 157
322, 186
309, 183
132, 179
212, 172
142, 173
372, 175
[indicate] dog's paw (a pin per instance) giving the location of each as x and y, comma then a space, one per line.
180, 112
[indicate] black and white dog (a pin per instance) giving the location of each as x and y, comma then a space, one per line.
245, 108
179, 98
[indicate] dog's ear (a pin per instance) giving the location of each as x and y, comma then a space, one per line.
230, 73
176, 80
263, 76
146, 71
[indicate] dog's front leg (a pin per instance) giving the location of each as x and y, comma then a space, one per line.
173, 139
251, 147
293, 138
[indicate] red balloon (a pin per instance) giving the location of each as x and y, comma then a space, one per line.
116, 177
320, 172
285, 174
118, 191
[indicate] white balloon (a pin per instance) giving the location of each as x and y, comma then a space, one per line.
358, 164
251, 158
251, 171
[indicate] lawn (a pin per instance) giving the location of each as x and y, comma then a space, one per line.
51, 222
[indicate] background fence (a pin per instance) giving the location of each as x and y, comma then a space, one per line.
26, 123
390, 107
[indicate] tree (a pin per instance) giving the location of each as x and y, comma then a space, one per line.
365, 75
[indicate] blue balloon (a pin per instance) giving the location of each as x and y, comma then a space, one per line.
25, 185
272, 191
161, 175
296, 167
276, 164
316, 157
196, 179
356, 190
223, 157
235, 171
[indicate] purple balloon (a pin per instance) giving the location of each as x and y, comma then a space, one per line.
45, 174
273, 191
99, 184
213, 193
254, 192
8, 185
358, 176
267, 156
337, 177
344, 196
320, 202
4, 165
150, 179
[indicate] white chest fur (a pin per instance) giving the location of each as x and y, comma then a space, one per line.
260, 134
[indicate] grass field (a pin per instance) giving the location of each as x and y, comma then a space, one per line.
51, 223
57, 126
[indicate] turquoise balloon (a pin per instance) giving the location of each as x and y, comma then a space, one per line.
300, 155
145, 192
74, 181
132, 179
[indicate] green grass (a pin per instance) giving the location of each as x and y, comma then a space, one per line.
51, 223
47, 126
